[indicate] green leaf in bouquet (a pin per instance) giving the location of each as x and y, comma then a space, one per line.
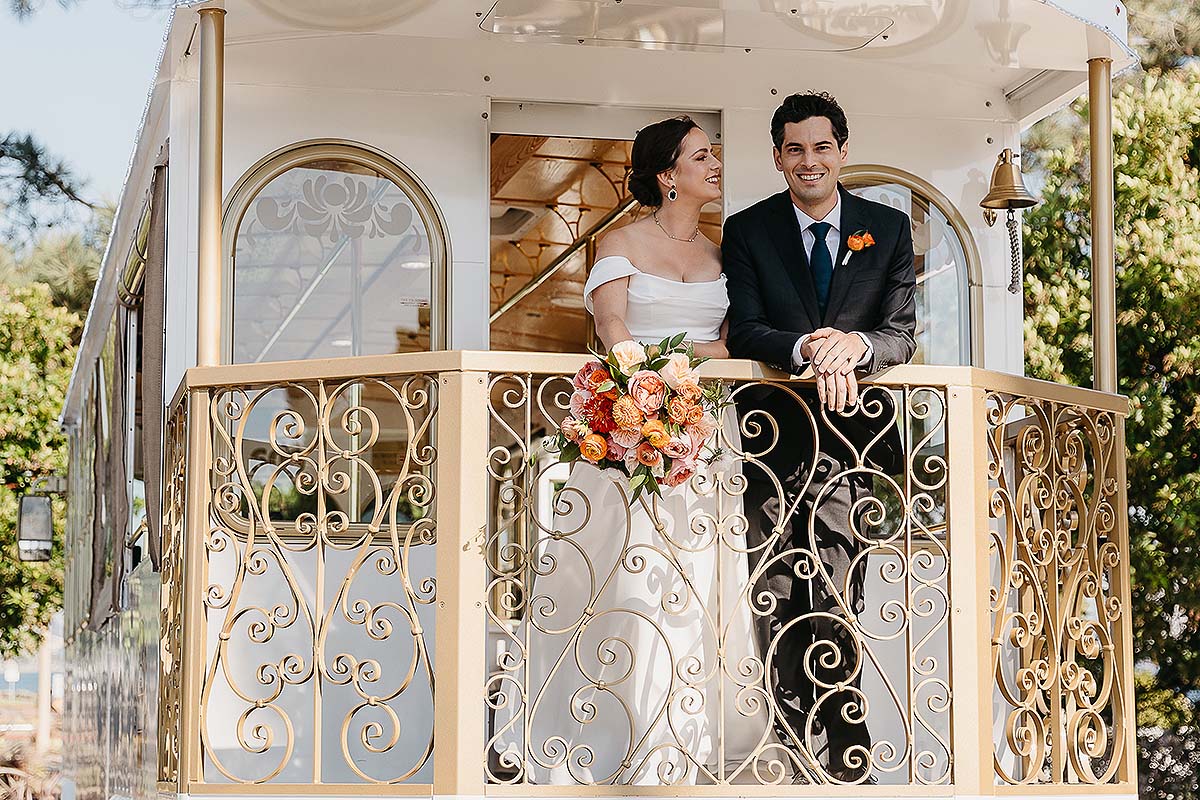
637, 481
606, 386
569, 453
677, 339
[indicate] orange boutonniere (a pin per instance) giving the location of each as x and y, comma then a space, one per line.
856, 242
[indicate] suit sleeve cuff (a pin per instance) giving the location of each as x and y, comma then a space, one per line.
867, 356
799, 361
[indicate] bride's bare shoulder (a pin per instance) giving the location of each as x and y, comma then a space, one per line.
627, 240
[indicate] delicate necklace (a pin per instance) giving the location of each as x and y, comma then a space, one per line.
668, 233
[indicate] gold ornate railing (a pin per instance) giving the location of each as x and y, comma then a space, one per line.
379, 553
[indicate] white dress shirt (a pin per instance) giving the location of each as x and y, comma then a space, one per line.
833, 240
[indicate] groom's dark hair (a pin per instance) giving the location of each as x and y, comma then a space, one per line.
799, 107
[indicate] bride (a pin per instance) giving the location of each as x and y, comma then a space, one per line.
642, 664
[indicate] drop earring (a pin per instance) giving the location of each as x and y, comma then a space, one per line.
672, 195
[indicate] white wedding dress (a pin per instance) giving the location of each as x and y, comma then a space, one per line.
629, 606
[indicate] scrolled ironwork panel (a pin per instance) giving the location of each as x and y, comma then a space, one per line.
781, 618
170, 691
319, 587
1057, 564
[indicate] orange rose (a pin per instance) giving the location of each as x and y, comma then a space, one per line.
868, 239
677, 410
656, 433
688, 390
695, 414
646, 454
626, 414
855, 243
593, 447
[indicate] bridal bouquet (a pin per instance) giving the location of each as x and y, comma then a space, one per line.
641, 411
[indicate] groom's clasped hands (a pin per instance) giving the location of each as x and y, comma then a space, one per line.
833, 355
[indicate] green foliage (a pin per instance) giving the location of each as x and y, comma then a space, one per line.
1157, 212
36, 354
36, 189
66, 261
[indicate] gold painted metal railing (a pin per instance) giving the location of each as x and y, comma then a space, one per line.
344, 534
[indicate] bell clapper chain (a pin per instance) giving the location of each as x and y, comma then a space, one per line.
1014, 244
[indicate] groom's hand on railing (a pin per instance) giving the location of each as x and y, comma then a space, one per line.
834, 355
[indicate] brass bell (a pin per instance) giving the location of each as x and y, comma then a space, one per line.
1007, 191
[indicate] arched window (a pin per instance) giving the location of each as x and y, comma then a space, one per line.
332, 249
947, 262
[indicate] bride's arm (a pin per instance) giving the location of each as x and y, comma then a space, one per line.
609, 301
715, 349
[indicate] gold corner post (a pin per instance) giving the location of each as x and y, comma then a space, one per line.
1104, 278
212, 119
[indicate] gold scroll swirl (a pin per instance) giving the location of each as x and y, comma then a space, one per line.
1056, 608
319, 582
170, 687
567, 694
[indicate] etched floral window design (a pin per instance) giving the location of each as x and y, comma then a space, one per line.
332, 257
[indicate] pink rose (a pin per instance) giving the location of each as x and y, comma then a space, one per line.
587, 378
627, 439
680, 473
678, 447
616, 451
647, 390
579, 399
678, 369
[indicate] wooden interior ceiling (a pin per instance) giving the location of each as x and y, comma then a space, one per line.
550, 196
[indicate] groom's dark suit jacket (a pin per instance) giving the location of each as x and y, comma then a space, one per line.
773, 302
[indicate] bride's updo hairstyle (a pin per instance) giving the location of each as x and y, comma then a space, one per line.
656, 148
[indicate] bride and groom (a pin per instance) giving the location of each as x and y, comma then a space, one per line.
696, 637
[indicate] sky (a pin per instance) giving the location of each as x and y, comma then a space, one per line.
78, 80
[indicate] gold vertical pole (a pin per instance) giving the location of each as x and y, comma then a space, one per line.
461, 480
195, 579
1104, 276
970, 580
212, 116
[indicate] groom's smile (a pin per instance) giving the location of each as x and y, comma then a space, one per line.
810, 159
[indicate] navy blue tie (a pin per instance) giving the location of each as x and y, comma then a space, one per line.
821, 263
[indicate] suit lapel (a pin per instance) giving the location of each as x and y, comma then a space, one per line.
854, 219
789, 244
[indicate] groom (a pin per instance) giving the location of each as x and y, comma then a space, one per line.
817, 278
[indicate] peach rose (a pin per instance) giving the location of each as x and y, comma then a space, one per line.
593, 447
630, 355
703, 428
656, 433
677, 410
689, 391
626, 414
678, 447
680, 473
678, 369
855, 243
647, 390
573, 429
647, 455
695, 415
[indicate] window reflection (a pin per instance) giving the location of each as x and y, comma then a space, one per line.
943, 320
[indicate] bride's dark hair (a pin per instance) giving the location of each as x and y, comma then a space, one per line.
656, 148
